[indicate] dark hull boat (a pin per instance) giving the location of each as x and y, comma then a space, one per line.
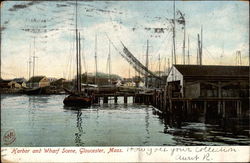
33, 91
77, 97
77, 100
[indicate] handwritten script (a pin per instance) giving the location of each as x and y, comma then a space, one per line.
178, 153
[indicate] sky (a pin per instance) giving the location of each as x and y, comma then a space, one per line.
46, 29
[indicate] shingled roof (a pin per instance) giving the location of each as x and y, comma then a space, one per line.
36, 78
213, 71
20, 80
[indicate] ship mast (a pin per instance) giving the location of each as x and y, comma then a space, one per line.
80, 64
184, 43
159, 62
95, 59
77, 59
201, 44
174, 50
34, 61
78, 56
188, 51
146, 75
109, 63
84, 62
29, 62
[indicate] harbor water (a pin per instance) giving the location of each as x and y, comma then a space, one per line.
44, 121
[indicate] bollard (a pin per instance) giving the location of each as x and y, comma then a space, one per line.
115, 99
125, 99
105, 99
96, 100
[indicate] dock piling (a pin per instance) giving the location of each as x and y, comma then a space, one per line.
125, 99
105, 99
115, 99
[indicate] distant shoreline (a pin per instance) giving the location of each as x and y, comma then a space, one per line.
18, 91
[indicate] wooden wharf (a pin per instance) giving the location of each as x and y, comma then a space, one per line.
160, 99
226, 110
106, 96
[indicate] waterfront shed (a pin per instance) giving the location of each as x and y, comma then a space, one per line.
58, 83
38, 81
197, 81
20, 81
9, 84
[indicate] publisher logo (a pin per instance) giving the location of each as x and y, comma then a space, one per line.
9, 137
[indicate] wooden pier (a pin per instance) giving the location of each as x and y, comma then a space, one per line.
198, 93
106, 96
189, 109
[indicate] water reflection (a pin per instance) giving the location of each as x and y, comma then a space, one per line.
36, 101
2, 97
78, 134
78, 112
97, 116
147, 126
147, 120
74, 108
200, 133
31, 116
43, 121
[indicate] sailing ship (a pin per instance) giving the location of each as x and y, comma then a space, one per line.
31, 90
77, 97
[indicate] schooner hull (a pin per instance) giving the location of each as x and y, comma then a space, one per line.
33, 91
74, 100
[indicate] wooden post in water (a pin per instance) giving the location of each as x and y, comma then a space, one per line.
136, 98
105, 99
194, 108
183, 106
205, 110
157, 99
187, 107
145, 100
223, 109
115, 99
162, 100
96, 100
125, 99
238, 107
219, 95
165, 100
139, 98
154, 98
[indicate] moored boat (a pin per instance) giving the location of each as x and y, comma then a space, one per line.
77, 97
33, 91
77, 100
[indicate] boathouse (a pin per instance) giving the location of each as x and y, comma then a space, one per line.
21, 82
38, 81
4, 83
7, 84
215, 91
58, 83
197, 81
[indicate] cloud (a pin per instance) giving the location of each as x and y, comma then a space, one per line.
227, 25
2, 28
132, 25
61, 5
17, 7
